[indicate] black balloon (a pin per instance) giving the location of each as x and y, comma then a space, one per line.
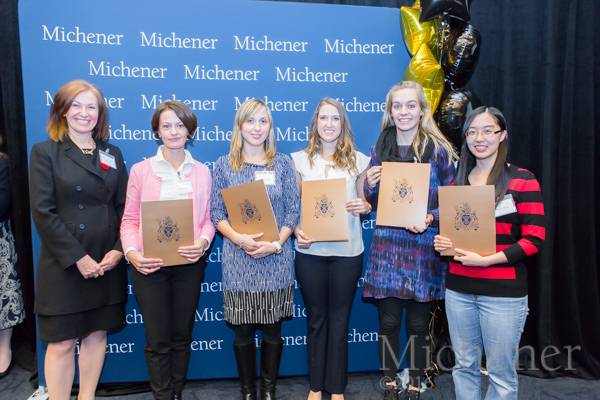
460, 56
435, 8
452, 113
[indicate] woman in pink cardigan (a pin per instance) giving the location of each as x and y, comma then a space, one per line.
168, 297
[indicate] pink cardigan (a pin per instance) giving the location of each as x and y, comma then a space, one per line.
144, 185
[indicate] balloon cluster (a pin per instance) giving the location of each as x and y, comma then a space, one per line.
445, 50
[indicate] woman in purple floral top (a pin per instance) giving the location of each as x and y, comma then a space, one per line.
403, 271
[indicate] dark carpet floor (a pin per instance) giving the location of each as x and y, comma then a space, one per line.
362, 386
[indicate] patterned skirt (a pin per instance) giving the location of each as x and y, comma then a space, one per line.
11, 302
241, 308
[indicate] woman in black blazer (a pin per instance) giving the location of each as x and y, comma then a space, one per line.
77, 186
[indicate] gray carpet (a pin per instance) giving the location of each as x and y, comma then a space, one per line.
362, 386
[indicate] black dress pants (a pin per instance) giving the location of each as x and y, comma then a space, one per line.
328, 285
168, 300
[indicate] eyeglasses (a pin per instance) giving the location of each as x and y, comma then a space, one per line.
471, 133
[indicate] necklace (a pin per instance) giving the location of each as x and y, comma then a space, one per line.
90, 151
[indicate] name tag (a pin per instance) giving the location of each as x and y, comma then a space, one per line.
184, 187
268, 177
506, 206
107, 159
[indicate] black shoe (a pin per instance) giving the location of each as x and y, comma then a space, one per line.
390, 392
413, 394
7, 370
245, 357
270, 358
178, 395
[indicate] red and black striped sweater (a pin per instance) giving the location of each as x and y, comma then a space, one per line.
518, 235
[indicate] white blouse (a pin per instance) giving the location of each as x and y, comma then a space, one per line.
354, 246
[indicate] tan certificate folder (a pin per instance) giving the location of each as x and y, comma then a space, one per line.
403, 194
324, 215
167, 225
467, 217
250, 211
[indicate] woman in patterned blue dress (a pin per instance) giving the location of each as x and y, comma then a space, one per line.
258, 276
403, 271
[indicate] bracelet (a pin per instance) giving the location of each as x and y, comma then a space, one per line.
370, 208
242, 241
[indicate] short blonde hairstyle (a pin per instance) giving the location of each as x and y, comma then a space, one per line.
247, 110
57, 126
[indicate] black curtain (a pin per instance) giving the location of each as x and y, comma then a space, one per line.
540, 65
12, 129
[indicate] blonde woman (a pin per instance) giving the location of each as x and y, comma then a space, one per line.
403, 272
258, 276
328, 272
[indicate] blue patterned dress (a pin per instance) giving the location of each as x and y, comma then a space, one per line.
257, 291
403, 264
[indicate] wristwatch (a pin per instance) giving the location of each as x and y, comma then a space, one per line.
278, 248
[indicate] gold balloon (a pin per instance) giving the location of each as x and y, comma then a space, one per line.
415, 33
424, 68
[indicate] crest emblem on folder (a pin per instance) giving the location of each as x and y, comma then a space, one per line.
249, 211
465, 218
167, 230
324, 207
403, 191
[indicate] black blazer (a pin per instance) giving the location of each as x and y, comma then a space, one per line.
77, 209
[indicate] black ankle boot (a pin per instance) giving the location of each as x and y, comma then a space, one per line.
412, 394
245, 357
390, 392
270, 357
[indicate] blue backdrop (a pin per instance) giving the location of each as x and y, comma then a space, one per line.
213, 55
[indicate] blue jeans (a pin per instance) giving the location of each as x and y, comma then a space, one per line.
493, 323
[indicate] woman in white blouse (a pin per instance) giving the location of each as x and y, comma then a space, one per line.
328, 272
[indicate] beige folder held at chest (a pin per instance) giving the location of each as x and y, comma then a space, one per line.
403, 194
250, 211
324, 215
467, 218
167, 225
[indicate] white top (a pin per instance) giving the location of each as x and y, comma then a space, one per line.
354, 246
173, 184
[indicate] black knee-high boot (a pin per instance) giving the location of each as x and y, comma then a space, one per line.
270, 358
245, 357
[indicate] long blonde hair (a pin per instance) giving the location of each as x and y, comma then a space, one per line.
344, 156
247, 110
427, 125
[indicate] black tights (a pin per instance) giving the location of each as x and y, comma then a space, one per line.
417, 332
244, 334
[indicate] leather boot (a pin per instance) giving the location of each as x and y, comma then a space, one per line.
270, 357
177, 395
245, 357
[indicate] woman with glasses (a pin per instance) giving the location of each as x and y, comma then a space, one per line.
486, 296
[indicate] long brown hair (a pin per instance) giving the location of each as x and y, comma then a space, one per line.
344, 156
427, 125
500, 174
247, 110
57, 126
